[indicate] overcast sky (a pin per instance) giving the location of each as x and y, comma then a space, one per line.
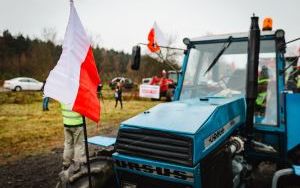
120, 24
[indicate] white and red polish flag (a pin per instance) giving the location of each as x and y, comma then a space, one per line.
75, 78
156, 38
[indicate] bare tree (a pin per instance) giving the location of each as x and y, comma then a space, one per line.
49, 34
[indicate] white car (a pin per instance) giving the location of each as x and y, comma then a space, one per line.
22, 83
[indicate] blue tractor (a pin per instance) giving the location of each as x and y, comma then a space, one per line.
232, 122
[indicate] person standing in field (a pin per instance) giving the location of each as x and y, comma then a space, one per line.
99, 90
118, 95
45, 99
73, 131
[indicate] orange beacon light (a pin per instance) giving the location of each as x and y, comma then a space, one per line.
267, 24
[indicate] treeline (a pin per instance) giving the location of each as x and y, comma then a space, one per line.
22, 56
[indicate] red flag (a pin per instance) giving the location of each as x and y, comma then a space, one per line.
152, 45
156, 38
74, 79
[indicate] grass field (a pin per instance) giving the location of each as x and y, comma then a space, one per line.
26, 130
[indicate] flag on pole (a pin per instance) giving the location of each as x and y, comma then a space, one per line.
75, 78
156, 38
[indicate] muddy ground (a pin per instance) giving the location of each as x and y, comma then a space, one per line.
38, 170
33, 171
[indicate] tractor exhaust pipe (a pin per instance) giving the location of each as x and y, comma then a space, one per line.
252, 76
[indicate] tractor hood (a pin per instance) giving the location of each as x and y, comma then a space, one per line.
185, 117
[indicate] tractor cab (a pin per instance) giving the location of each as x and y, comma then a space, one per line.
227, 79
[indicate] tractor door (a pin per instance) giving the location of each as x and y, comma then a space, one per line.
269, 127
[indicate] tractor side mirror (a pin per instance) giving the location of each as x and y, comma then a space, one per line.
136, 57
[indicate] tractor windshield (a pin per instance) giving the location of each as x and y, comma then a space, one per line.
228, 77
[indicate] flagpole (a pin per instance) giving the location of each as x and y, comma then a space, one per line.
87, 152
167, 47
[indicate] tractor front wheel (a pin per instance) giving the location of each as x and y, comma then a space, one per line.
101, 166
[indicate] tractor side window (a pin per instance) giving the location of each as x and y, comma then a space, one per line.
266, 102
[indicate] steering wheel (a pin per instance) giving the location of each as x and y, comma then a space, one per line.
222, 82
